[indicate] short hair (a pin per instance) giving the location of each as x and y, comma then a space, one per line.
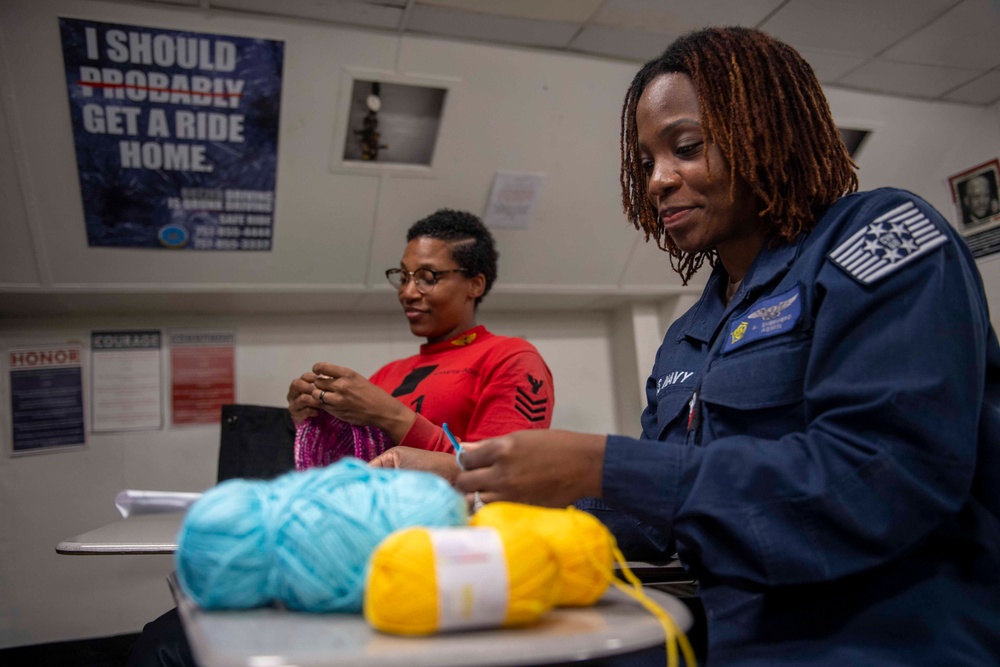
763, 106
472, 245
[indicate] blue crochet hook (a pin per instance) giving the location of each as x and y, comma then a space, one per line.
454, 443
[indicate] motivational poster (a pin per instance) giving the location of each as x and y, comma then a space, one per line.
202, 375
46, 397
126, 380
176, 135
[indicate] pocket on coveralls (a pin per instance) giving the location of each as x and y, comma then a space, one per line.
758, 391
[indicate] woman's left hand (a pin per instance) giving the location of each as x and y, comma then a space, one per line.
349, 396
410, 458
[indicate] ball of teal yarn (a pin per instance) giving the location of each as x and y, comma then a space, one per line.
304, 539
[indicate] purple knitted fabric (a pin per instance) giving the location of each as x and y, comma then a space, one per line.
324, 439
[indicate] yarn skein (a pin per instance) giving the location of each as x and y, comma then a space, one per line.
304, 539
583, 545
406, 594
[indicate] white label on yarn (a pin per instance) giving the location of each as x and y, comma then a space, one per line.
471, 570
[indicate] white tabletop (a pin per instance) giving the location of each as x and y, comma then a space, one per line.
278, 638
140, 534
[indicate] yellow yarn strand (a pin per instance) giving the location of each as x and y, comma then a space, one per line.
585, 548
673, 634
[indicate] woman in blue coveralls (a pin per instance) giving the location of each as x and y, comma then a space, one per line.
821, 442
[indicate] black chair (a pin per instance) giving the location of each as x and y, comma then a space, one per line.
257, 442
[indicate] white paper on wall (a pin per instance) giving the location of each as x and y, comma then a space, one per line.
513, 199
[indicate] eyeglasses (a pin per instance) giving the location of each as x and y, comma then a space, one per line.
424, 279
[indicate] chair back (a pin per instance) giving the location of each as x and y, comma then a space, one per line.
256, 442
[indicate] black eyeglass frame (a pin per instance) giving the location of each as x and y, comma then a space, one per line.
411, 275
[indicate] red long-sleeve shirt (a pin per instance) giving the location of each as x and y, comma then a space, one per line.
480, 384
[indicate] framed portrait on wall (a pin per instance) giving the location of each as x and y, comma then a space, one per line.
975, 193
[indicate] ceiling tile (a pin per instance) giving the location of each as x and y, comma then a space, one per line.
620, 43
392, 3
984, 90
907, 78
490, 28
339, 11
574, 11
862, 44
858, 27
831, 66
967, 36
679, 16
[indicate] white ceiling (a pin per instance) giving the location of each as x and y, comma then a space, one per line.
926, 49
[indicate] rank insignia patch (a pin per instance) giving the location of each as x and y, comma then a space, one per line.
533, 409
738, 332
887, 244
772, 316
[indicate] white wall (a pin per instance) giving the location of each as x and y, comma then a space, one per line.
571, 285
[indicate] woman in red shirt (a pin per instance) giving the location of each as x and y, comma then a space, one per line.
478, 383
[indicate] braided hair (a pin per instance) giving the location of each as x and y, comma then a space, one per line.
763, 106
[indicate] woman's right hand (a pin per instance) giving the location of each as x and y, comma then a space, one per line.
301, 403
548, 468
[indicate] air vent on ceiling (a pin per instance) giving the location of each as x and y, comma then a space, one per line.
854, 139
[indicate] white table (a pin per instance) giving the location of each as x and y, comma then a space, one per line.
139, 534
281, 638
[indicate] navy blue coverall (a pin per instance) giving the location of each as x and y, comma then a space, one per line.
824, 453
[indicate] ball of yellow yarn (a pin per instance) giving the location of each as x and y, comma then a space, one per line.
401, 595
582, 544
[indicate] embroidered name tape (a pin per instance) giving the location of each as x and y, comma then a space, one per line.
770, 317
672, 378
887, 244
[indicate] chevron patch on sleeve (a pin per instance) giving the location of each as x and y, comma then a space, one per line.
887, 244
529, 404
